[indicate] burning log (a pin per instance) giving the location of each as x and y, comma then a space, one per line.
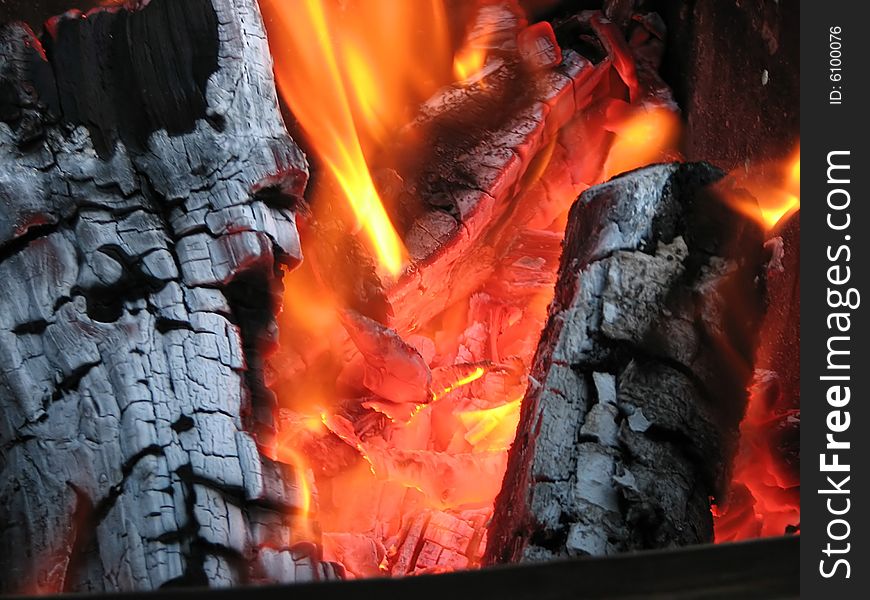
150, 193
638, 385
764, 498
479, 186
147, 191
484, 142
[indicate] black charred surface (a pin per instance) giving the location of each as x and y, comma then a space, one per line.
121, 74
36, 12
434, 151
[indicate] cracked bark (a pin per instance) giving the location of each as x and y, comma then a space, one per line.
147, 193
639, 382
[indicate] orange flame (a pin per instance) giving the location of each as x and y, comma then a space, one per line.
764, 495
353, 77
349, 73
468, 62
304, 530
772, 197
644, 135
471, 58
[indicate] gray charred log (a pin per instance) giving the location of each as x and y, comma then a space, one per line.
147, 193
639, 382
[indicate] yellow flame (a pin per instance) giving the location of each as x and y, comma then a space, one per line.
471, 58
795, 171
772, 198
305, 529
470, 378
324, 75
772, 216
468, 62
494, 426
642, 137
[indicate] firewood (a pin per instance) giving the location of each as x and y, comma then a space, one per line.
438, 541
147, 193
638, 385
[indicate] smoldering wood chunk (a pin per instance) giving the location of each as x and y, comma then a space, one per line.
620, 11
393, 370
139, 254
467, 157
438, 541
538, 46
477, 139
638, 384
495, 28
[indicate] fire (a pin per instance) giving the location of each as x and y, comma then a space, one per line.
409, 427
764, 496
644, 135
304, 529
773, 196
492, 429
765, 493
469, 62
471, 58
350, 72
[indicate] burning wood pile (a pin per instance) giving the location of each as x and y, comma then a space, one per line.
203, 405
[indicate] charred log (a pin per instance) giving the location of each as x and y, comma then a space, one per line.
134, 147
638, 385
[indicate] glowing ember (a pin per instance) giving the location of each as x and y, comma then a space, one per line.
764, 499
765, 494
408, 430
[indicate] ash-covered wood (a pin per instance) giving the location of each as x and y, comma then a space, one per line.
638, 385
475, 145
147, 186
